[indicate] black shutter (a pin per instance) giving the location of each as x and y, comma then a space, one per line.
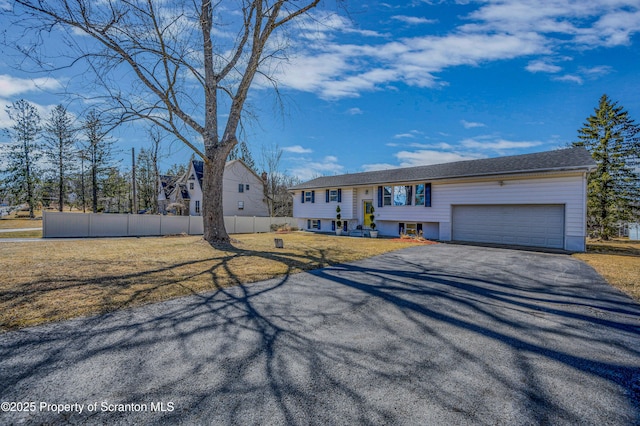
339, 195
302, 197
379, 196
319, 227
409, 195
313, 196
308, 223
326, 196
427, 195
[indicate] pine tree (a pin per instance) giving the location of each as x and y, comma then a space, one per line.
22, 172
60, 150
614, 187
97, 154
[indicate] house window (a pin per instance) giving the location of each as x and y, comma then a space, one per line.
387, 195
419, 200
402, 195
197, 206
333, 195
240, 187
246, 187
313, 224
308, 197
240, 205
191, 186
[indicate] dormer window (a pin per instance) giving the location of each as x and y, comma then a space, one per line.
191, 186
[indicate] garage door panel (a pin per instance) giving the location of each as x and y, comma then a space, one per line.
528, 225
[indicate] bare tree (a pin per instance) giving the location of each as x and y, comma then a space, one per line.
277, 181
193, 62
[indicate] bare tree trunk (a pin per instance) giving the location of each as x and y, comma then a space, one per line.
215, 232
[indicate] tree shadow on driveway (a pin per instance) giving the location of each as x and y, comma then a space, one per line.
428, 335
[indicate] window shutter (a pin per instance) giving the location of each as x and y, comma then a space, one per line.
319, 226
344, 226
379, 196
326, 194
313, 196
409, 195
308, 223
303, 197
333, 225
339, 195
427, 195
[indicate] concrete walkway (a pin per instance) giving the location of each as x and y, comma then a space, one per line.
431, 335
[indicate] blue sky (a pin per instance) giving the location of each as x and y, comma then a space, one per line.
423, 82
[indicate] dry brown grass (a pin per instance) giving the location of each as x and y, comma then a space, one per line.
12, 223
54, 280
618, 261
21, 234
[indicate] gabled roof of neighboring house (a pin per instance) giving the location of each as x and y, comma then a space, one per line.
198, 166
560, 160
167, 183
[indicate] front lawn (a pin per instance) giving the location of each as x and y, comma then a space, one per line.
618, 261
44, 281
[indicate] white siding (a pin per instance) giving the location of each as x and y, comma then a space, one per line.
235, 173
568, 190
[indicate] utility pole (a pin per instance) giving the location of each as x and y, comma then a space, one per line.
134, 210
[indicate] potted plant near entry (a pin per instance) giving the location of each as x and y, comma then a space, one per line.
338, 221
373, 233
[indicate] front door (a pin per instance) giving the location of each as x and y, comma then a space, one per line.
367, 213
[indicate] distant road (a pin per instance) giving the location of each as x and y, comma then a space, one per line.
20, 229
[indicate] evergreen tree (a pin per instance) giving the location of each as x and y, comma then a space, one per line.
242, 152
22, 173
614, 187
60, 150
97, 152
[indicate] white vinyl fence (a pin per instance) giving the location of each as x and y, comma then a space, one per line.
79, 225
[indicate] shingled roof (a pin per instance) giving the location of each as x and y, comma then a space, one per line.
560, 160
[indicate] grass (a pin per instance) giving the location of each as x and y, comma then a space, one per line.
47, 281
21, 234
618, 261
13, 223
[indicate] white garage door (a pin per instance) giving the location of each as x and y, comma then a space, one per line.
525, 225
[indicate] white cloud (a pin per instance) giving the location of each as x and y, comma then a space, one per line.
377, 166
309, 169
495, 30
11, 86
498, 144
297, 149
471, 124
570, 78
542, 66
413, 20
404, 136
427, 157
354, 111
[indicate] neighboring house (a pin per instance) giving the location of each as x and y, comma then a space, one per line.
243, 191
530, 200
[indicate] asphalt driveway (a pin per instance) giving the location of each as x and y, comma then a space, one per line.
441, 334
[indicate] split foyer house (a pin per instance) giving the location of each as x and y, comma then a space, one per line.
243, 191
528, 200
